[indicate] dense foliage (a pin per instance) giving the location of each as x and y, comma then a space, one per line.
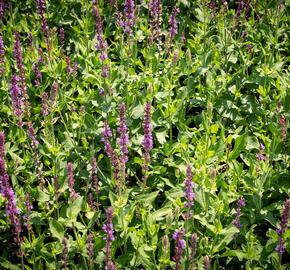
144, 134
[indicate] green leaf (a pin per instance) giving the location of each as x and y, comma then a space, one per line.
56, 229
160, 213
161, 136
147, 198
234, 253
240, 145
40, 196
138, 111
74, 209
7, 265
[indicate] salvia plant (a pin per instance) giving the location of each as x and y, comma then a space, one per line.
144, 134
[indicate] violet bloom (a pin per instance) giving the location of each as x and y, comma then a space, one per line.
105, 73
7, 192
2, 56
109, 230
61, 36
174, 25
283, 227
101, 44
188, 193
71, 181
129, 16
37, 74
90, 252
64, 254
69, 69
75, 69
282, 123
123, 140
27, 216
147, 142
94, 171
17, 52
31, 133
40, 56
155, 7
249, 48
44, 107
30, 42
40, 5
179, 247
241, 203
2, 145
243, 34
3, 7
53, 93
16, 96
193, 246
109, 150
259, 156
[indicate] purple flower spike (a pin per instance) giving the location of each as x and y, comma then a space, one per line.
173, 22
71, 181
147, 142
188, 193
283, 227
179, 247
155, 7
241, 203
2, 142
2, 56
90, 248
31, 133
16, 96
259, 155
109, 150
40, 5
249, 48
129, 10
37, 74
123, 140
7, 192
44, 107
109, 230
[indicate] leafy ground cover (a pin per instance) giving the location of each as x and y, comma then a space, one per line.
144, 134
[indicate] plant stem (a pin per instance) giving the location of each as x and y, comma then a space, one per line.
78, 242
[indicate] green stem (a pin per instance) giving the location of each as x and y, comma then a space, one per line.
78, 242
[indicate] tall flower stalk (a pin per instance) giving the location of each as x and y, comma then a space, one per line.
101, 46
147, 142
40, 4
31, 134
174, 26
179, 247
7, 192
241, 203
282, 229
16, 96
17, 52
71, 182
155, 7
2, 56
110, 153
109, 230
123, 142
